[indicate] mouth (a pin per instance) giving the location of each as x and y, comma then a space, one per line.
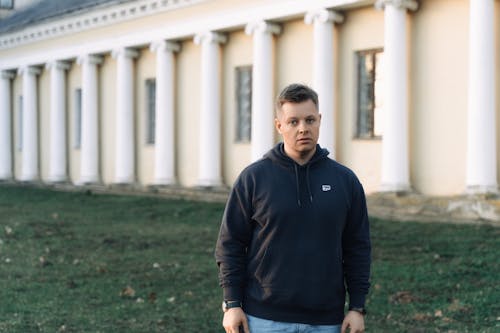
304, 140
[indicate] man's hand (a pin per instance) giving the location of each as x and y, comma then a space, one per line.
235, 318
354, 321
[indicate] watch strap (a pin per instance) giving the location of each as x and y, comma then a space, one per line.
226, 305
358, 309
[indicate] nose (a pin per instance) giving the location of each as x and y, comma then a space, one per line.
302, 127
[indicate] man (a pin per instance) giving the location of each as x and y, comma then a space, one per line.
295, 231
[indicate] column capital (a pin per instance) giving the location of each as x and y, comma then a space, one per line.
210, 37
165, 45
262, 26
90, 59
400, 4
125, 51
58, 64
323, 15
31, 70
8, 75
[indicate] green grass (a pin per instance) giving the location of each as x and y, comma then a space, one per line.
80, 262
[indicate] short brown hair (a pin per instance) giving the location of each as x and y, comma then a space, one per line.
296, 93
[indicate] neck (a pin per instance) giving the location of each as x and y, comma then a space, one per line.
300, 158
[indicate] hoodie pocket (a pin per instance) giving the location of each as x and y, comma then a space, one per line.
313, 282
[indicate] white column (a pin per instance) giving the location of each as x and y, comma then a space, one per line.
57, 166
395, 141
481, 139
164, 172
210, 117
6, 125
89, 151
124, 132
262, 87
29, 168
323, 72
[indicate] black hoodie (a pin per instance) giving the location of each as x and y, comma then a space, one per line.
292, 237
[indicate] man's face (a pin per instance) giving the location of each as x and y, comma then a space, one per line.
299, 123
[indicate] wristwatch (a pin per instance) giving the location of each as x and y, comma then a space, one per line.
360, 310
226, 305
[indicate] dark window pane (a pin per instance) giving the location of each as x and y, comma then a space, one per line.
369, 95
78, 119
151, 110
6, 4
243, 103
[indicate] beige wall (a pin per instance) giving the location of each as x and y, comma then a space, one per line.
74, 81
188, 109
236, 155
438, 117
497, 64
144, 69
362, 30
293, 56
107, 118
17, 91
44, 123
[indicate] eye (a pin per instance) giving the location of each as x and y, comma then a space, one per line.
310, 121
294, 122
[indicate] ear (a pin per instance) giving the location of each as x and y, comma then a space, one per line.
277, 124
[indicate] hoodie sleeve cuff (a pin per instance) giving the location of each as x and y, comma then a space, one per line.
357, 301
233, 293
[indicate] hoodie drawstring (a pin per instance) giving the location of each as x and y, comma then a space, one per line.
297, 184
308, 183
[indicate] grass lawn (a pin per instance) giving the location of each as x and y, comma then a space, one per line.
80, 262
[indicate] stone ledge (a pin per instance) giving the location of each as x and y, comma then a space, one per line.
471, 209
476, 209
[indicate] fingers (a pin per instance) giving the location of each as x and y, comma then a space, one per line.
345, 324
233, 329
246, 329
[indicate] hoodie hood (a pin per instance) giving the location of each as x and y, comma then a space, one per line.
277, 155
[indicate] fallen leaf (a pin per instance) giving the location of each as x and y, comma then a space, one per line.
171, 299
128, 292
44, 262
402, 297
438, 313
424, 317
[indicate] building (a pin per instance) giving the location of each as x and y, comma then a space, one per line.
180, 92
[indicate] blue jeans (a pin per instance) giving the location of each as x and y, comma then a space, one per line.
258, 325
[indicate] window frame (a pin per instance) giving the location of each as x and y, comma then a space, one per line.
19, 127
239, 136
10, 5
77, 120
150, 107
358, 134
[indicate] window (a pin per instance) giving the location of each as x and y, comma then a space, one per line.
6, 4
370, 93
243, 103
19, 138
77, 122
151, 110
